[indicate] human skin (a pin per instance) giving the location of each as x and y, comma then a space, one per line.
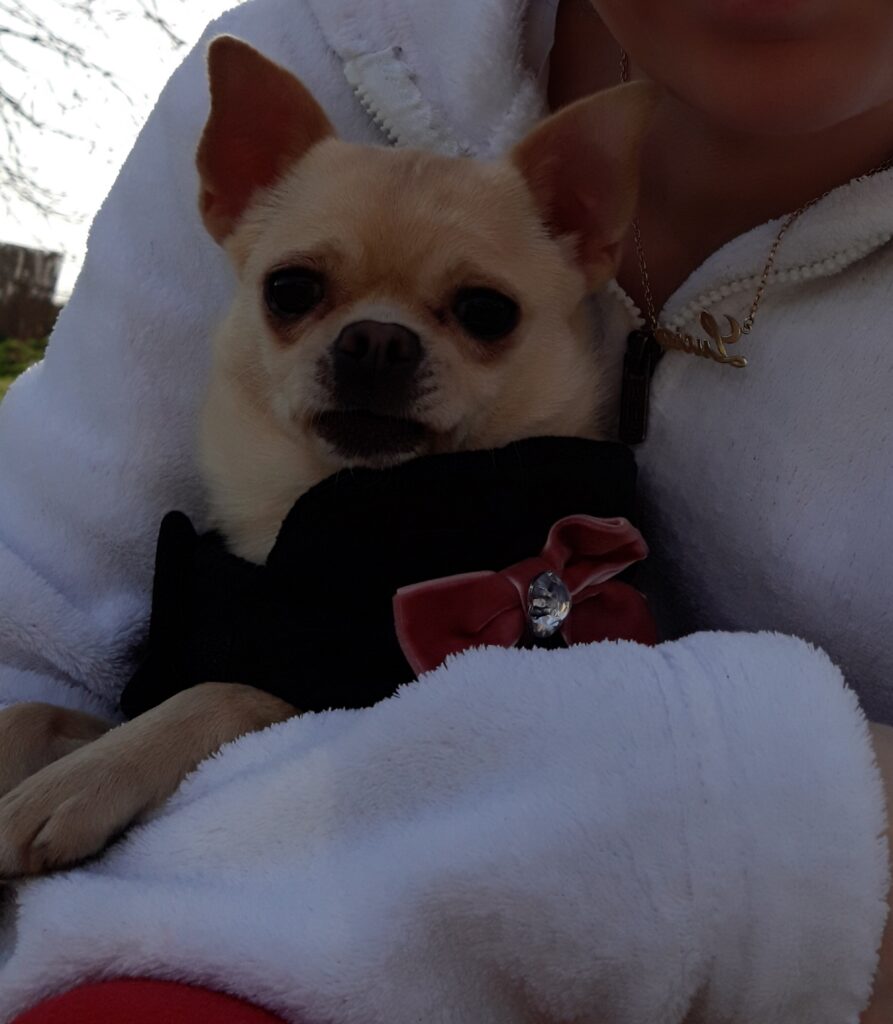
772, 102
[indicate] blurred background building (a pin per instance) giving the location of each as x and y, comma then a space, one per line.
28, 279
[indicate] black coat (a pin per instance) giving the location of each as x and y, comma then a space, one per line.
314, 625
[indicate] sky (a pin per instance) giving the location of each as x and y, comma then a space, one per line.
80, 171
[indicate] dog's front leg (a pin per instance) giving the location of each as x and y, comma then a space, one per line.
72, 808
33, 735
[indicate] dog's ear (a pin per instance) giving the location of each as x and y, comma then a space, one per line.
582, 167
262, 121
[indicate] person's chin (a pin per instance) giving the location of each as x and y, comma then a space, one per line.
766, 20
773, 91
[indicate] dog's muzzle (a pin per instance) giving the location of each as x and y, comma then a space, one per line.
375, 381
376, 366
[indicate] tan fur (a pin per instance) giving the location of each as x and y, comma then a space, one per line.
73, 807
396, 234
33, 735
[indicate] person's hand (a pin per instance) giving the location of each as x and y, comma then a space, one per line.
880, 1009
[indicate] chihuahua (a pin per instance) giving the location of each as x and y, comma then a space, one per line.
389, 304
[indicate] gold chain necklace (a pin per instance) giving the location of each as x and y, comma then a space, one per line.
646, 346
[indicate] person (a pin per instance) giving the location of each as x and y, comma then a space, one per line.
767, 198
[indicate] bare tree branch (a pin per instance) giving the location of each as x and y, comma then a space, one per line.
40, 35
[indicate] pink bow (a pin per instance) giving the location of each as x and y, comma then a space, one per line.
476, 609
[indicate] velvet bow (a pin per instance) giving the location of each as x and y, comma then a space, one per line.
477, 609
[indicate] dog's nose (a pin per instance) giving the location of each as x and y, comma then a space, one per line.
376, 366
369, 348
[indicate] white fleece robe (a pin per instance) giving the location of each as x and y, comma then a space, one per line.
520, 836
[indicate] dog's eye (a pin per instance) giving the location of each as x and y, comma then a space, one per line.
293, 291
486, 314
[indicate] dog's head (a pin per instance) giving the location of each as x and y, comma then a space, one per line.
395, 302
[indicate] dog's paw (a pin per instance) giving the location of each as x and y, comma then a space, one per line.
33, 735
69, 811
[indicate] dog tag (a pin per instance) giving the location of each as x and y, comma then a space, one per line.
642, 356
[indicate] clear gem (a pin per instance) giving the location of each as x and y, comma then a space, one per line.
548, 605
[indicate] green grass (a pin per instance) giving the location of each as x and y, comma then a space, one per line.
16, 355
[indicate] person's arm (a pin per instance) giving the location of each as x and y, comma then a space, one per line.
880, 1009
606, 833
97, 441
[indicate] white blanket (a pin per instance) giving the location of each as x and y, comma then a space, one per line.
605, 834
617, 841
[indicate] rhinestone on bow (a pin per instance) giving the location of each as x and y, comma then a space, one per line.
548, 605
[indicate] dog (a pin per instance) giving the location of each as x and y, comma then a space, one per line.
389, 304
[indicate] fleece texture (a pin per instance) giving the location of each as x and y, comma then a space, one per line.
765, 489
519, 837
632, 832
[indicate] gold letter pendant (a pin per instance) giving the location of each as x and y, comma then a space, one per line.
712, 347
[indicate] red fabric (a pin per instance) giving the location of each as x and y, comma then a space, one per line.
145, 1001
445, 616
